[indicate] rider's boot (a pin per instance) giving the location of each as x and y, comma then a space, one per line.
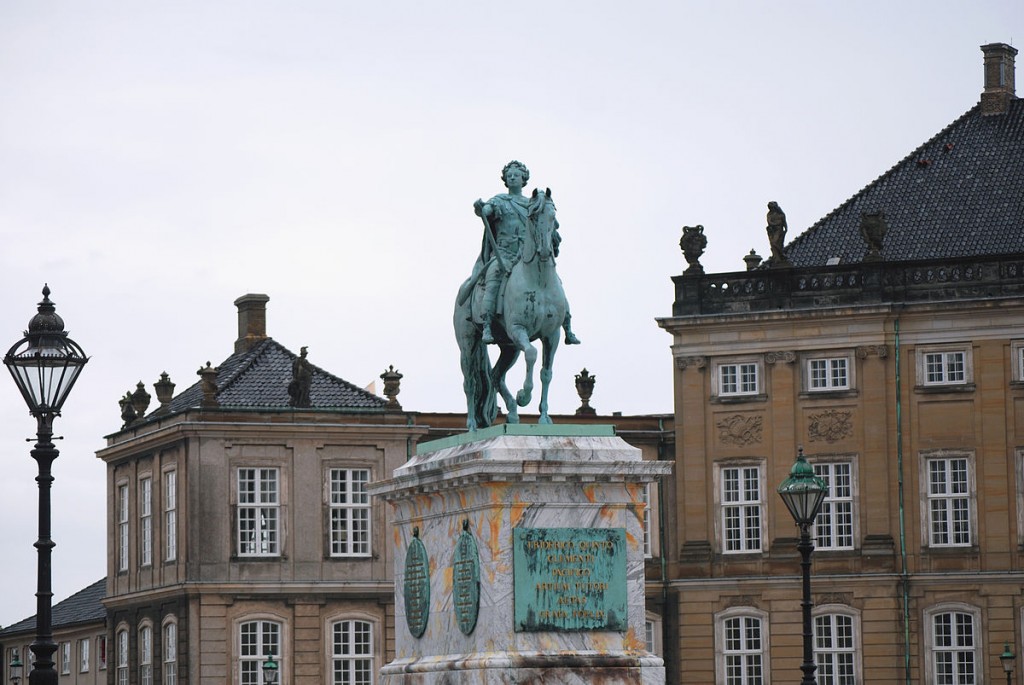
490, 307
487, 337
570, 337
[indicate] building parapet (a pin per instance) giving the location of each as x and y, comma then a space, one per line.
867, 283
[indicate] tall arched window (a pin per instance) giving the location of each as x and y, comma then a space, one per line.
170, 647
257, 641
122, 657
952, 638
146, 655
742, 646
352, 653
837, 644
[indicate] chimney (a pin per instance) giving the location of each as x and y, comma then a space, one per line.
252, 321
999, 86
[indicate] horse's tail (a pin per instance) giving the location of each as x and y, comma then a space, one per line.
481, 404
478, 374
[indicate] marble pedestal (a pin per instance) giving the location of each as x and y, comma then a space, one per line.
499, 479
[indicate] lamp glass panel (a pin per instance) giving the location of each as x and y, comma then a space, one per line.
45, 373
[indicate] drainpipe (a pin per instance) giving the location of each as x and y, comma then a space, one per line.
904, 574
661, 538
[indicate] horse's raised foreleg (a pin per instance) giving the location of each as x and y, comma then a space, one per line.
548, 347
521, 339
506, 359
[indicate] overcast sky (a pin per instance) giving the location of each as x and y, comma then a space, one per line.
157, 160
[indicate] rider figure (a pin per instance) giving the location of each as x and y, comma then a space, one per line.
506, 215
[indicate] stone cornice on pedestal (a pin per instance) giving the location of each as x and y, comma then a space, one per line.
564, 453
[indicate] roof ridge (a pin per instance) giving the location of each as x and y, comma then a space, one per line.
327, 373
247, 359
813, 228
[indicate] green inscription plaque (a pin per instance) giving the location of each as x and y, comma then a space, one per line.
569, 579
466, 581
416, 587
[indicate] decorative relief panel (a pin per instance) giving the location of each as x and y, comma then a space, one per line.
830, 425
865, 351
834, 598
740, 430
695, 362
787, 356
740, 601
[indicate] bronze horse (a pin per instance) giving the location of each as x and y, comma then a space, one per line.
533, 307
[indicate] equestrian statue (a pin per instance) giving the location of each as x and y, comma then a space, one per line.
512, 297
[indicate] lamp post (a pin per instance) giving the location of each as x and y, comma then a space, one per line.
45, 365
803, 493
16, 670
269, 671
1006, 659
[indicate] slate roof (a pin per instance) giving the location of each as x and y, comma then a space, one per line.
258, 379
960, 194
82, 607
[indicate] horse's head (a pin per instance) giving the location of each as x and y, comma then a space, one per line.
543, 223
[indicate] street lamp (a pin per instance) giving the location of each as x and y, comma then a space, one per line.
44, 365
16, 670
269, 671
1006, 659
803, 493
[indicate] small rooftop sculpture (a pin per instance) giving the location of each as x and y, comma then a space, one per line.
208, 384
302, 381
585, 389
692, 244
164, 391
777, 234
873, 229
512, 297
392, 386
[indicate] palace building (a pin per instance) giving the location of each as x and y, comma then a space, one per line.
886, 341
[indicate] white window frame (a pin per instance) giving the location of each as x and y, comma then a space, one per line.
956, 612
83, 655
945, 503
122, 657
944, 365
835, 527
122, 527
65, 658
170, 483
1017, 360
1019, 493
747, 617
145, 648
258, 517
738, 510
829, 364
837, 646
169, 644
738, 377
349, 514
11, 653
351, 651
268, 634
652, 633
146, 521
648, 495
101, 652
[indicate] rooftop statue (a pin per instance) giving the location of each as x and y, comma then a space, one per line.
777, 234
302, 381
512, 297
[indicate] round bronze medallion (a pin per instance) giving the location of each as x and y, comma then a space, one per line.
466, 580
416, 588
